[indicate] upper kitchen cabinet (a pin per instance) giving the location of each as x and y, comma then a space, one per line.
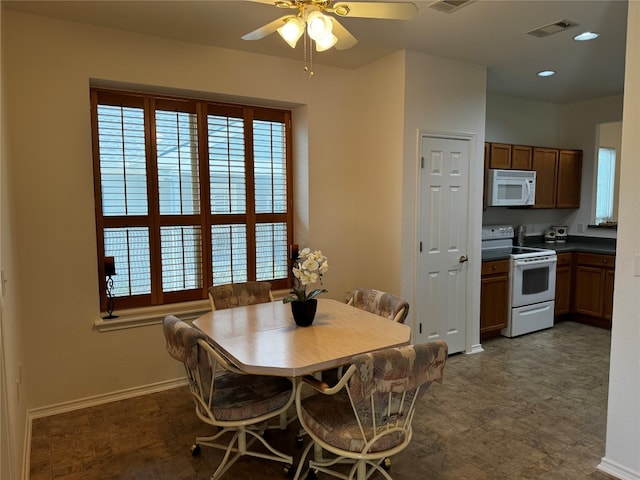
521, 157
569, 176
558, 177
505, 156
487, 155
500, 156
545, 163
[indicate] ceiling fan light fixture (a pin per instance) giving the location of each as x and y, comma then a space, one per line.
291, 31
318, 25
326, 42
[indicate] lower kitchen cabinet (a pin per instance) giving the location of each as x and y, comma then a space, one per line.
494, 297
564, 280
593, 289
607, 306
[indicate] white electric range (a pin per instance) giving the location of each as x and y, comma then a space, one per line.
532, 280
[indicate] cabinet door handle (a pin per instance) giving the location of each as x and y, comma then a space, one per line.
463, 258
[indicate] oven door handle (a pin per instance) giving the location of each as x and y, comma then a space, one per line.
523, 263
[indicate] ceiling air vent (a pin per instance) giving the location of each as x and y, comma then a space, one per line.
449, 6
552, 28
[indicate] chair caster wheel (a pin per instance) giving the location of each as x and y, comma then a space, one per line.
299, 441
311, 475
195, 450
386, 463
289, 470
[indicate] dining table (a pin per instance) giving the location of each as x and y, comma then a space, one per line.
263, 339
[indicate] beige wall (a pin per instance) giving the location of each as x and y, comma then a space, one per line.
377, 205
356, 134
444, 96
521, 121
623, 420
48, 220
51, 64
13, 404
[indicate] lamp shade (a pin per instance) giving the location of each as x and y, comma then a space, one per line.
109, 266
326, 42
292, 30
318, 25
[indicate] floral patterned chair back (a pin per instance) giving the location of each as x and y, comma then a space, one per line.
381, 303
239, 294
238, 404
367, 416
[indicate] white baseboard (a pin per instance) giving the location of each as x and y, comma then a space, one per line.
617, 470
105, 398
88, 402
477, 348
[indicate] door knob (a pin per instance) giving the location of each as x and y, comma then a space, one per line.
463, 258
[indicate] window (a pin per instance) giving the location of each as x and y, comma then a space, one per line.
189, 194
606, 176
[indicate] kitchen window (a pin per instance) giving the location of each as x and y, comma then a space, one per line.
606, 176
189, 194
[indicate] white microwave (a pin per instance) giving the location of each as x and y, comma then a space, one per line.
511, 188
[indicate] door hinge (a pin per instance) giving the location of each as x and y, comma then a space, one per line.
421, 247
421, 162
420, 328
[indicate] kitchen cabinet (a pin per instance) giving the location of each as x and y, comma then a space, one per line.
521, 157
593, 287
487, 154
607, 305
494, 297
558, 171
569, 179
558, 177
505, 156
545, 164
500, 156
564, 281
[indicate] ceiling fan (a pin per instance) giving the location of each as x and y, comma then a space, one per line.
311, 18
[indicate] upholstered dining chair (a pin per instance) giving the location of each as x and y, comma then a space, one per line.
239, 405
239, 294
366, 417
381, 303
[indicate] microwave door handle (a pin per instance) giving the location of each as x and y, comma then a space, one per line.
528, 190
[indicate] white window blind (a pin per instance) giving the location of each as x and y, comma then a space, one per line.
169, 169
605, 184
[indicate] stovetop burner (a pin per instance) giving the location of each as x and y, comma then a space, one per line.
497, 243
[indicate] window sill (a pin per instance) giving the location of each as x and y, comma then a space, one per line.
142, 317
609, 225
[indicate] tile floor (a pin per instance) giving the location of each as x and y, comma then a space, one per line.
532, 407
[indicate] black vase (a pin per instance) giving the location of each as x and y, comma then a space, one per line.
304, 312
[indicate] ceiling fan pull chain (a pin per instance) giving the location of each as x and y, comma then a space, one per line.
308, 54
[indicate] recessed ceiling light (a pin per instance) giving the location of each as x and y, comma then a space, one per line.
584, 36
546, 73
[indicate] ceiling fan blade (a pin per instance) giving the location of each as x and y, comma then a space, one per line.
276, 3
390, 10
345, 39
267, 29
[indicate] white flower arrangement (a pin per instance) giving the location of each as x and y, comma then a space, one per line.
308, 269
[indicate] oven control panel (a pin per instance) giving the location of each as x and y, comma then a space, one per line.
494, 232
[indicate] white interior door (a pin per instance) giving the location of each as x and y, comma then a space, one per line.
442, 228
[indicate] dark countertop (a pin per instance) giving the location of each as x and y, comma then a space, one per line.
579, 244
573, 244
